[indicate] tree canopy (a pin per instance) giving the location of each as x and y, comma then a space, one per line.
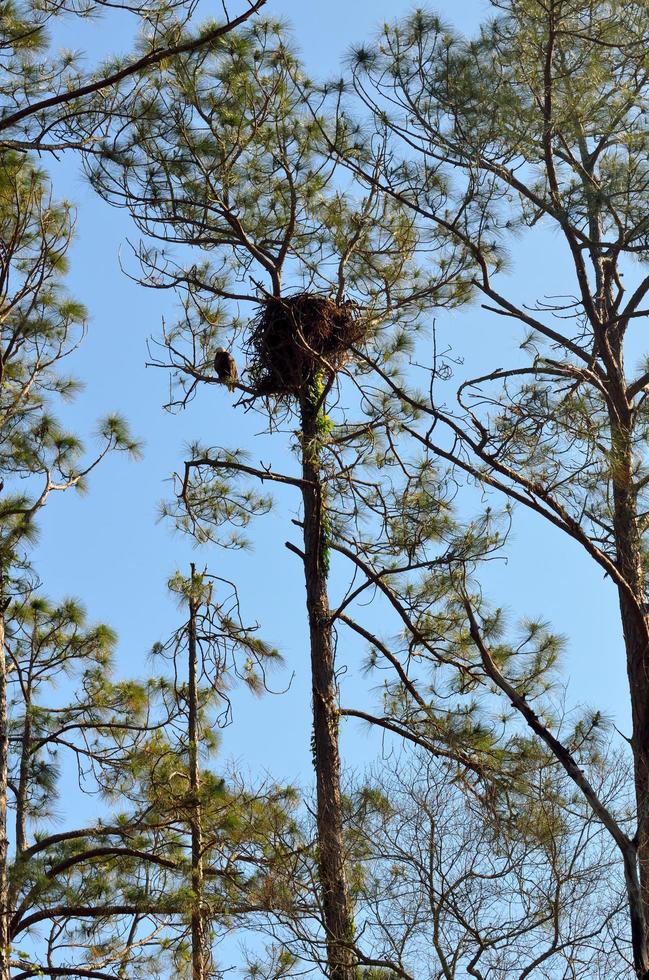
307, 233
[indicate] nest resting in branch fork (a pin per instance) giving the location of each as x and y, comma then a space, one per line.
295, 337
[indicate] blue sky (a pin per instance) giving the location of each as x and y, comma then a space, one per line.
108, 548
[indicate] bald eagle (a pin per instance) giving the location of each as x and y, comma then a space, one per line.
226, 368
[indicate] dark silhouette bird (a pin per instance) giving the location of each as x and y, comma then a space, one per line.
226, 368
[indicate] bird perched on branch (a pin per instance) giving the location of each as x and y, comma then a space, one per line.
226, 368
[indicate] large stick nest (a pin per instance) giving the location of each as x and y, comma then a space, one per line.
293, 338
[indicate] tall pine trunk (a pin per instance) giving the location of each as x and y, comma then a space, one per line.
4, 779
635, 629
336, 905
636, 640
23, 777
193, 732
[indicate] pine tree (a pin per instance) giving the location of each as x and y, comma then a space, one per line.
39, 327
64, 881
49, 100
540, 120
226, 156
229, 850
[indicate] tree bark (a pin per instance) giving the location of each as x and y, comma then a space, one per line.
197, 922
4, 779
336, 905
637, 656
23, 779
636, 640
635, 628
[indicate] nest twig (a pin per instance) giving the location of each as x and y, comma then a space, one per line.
293, 338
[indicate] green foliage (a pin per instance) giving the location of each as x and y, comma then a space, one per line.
231, 154
39, 326
129, 743
66, 715
228, 649
248, 835
213, 497
51, 97
241, 128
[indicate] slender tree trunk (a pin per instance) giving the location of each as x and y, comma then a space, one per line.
636, 641
336, 905
14, 879
198, 924
635, 628
637, 657
609, 344
23, 778
4, 779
